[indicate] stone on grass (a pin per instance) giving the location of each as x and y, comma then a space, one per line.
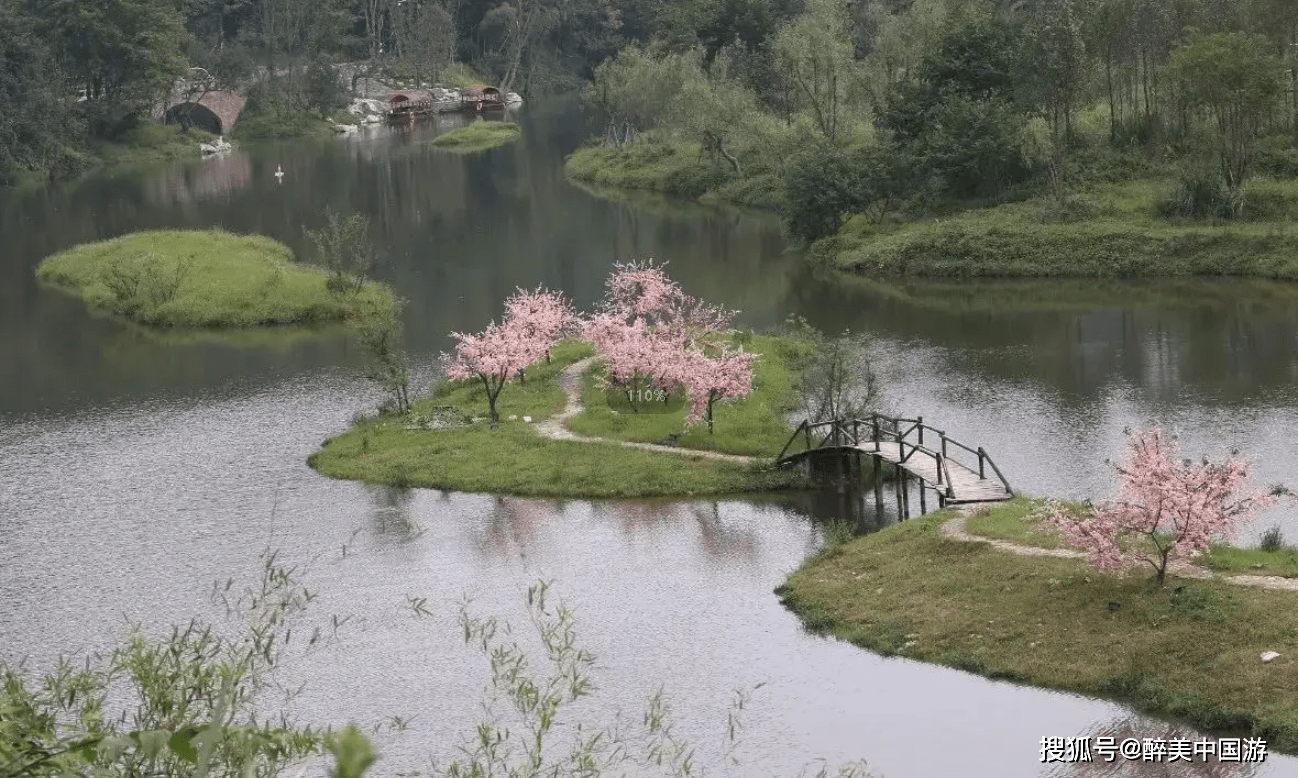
1267, 656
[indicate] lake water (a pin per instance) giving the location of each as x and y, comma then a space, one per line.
136, 471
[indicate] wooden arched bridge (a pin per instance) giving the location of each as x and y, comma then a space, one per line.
956, 472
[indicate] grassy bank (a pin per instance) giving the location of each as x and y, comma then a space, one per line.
478, 136
515, 459
753, 426
150, 142
674, 169
277, 124
202, 278
1108, 231
1190, 650
1013, 521
1104, 230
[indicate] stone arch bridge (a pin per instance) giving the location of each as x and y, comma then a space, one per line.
212, 110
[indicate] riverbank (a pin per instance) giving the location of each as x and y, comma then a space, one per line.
203, 279
1107, 230
544, 445
1190, 650
674, 169
478, 136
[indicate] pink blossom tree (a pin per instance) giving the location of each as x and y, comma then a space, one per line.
710, 379
540, 315
1166, 507
534, 320
651, 334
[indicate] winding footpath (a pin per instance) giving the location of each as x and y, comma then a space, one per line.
556, 429
956, 529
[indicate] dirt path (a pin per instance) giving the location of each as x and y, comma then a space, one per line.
555, 427
955, 529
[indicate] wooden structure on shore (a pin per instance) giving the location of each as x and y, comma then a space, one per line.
836, 448
483, 98
406, 104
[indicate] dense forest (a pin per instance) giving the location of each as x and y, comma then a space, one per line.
895, 99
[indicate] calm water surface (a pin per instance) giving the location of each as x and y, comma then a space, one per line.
134, 472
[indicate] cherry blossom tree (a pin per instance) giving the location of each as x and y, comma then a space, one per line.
533, 321
540, 315
651, 334
710, 379
1166, 507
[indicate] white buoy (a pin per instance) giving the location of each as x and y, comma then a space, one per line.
279, 173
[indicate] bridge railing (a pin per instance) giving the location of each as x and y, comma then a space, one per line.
879, 428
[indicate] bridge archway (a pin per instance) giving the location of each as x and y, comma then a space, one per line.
214, 111
194, 115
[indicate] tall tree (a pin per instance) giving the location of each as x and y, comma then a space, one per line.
124, 52
815, 53
40, 129
1235, 80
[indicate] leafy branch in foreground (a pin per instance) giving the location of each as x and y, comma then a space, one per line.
535, 693
182, 706
190, 712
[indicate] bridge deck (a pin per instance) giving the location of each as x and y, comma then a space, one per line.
965, 484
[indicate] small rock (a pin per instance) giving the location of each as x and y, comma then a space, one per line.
527, 419
513, 417
878, 591
1267, 656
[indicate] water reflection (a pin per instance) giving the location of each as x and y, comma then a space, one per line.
218, 175
392, 514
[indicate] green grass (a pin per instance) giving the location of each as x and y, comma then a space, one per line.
1190, 650
150, 142
202, 279
648, 165
1232, 560
673, 168
478, 136
515, 459
1110, 231
278, 124
1011, 521
754, 425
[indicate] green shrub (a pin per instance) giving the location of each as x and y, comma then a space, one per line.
696, 180
1276, 157
1273, 539
1199, 192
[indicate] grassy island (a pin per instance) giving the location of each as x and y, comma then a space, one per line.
1190, 650
446, 442
204, 279
478, 136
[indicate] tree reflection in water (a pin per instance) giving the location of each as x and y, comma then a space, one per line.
392, 515
513, 525
1140, 728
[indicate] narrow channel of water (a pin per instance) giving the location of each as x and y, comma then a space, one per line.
135, 472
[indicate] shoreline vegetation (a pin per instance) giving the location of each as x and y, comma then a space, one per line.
1109, 230
1190, 650
478, 136
446, 442
205, 280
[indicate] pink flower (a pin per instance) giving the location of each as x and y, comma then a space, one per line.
1166, 507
